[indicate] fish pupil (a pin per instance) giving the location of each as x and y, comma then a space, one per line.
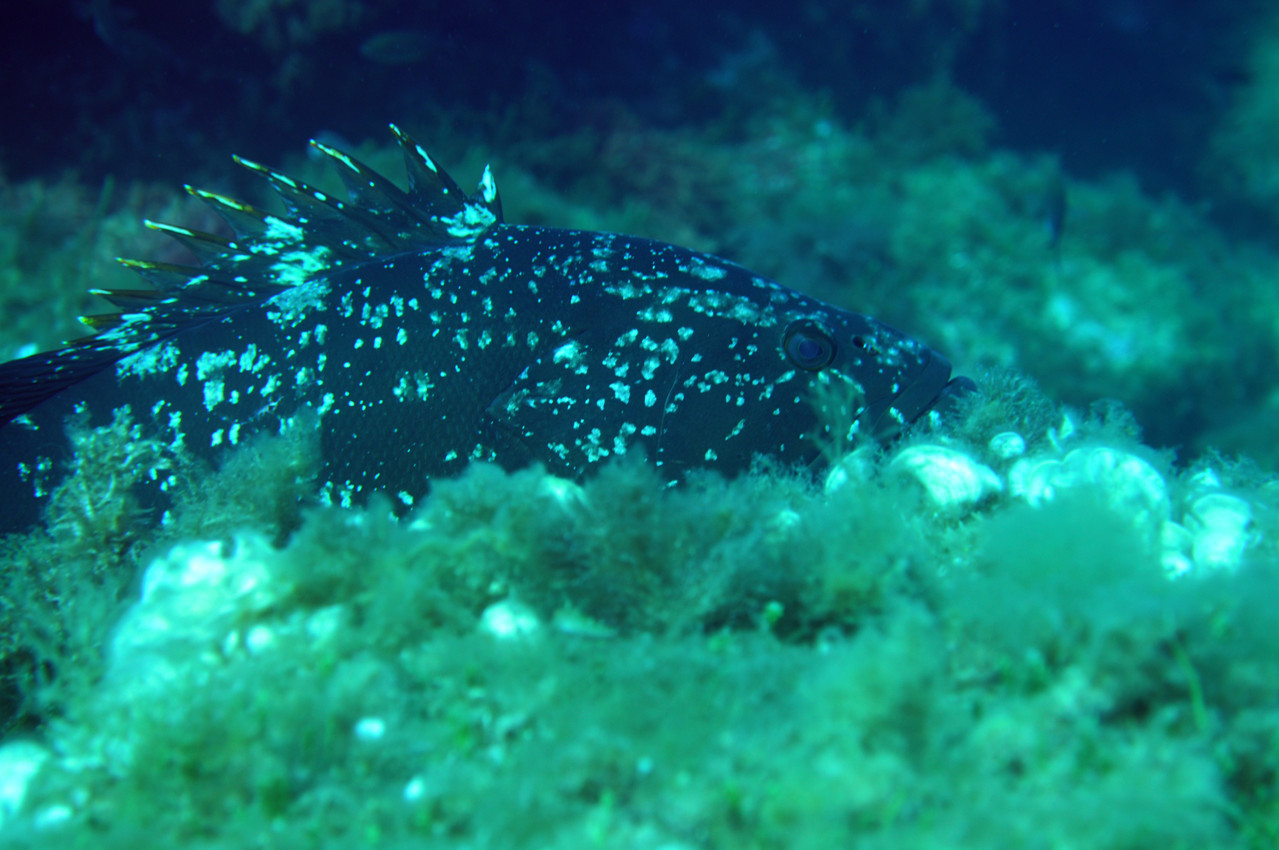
809, 346
809, 349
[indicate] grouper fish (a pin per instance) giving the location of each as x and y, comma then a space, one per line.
422, 332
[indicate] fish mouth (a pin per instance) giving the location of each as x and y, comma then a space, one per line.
933, 389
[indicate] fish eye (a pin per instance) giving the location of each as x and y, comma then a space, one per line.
808, 345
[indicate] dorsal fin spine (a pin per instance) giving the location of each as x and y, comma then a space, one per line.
268, 254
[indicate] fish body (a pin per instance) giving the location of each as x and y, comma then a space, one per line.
425, 333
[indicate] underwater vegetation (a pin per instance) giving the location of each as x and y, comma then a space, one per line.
997, 635
1048, 624
1240, 165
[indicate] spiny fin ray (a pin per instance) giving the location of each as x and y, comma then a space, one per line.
316, 234
428, 183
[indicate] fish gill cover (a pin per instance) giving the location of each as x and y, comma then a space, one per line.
1030, 624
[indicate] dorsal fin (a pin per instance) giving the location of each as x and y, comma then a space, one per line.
315, 234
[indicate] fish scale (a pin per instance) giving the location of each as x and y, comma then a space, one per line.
426, 333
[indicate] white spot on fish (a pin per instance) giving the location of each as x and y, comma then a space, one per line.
701, 269
569, 352
208, 363
149, 361
214, 393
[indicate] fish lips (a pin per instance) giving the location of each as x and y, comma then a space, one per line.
932, 389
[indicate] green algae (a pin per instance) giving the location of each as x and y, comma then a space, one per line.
769, 666
752, 663
65, 583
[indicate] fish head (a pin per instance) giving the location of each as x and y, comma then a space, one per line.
892, 381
